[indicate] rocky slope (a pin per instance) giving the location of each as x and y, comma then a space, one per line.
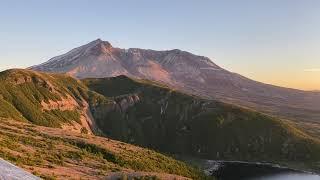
188, 72
44, 99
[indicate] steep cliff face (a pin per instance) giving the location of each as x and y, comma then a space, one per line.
174, 122
44, 99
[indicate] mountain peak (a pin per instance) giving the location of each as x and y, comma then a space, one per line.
98, 47
98, 41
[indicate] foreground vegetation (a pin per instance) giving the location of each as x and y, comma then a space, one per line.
56, 154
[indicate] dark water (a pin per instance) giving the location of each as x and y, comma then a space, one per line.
250, 171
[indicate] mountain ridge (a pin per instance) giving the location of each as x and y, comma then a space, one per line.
99, 41
189, 73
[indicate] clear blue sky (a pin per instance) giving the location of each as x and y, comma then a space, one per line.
274, 41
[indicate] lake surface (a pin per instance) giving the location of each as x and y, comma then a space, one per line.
225, 170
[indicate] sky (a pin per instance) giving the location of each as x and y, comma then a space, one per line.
274, 41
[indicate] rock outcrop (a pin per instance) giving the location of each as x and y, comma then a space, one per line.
12, 172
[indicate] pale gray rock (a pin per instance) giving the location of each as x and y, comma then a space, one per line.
9, 171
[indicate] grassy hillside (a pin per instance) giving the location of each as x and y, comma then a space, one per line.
22, 92
56, 154
158, 117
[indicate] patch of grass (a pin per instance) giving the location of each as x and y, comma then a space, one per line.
84, 130
96, 150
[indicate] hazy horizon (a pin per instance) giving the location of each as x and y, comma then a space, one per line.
272, 42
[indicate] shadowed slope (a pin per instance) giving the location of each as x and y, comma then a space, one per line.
161, 118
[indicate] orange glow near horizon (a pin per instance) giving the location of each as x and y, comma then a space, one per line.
305, 80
